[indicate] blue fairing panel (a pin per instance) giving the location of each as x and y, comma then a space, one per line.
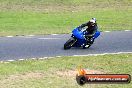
78, 34
96, 34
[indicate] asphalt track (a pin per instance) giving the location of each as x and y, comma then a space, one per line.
23, 47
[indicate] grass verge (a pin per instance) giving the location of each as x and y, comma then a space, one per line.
60, 72
61, 16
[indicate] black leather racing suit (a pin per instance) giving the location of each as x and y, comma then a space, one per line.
91, 31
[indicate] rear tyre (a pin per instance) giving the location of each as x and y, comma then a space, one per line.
69, 43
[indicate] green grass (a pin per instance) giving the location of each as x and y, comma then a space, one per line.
61, 16
44, 73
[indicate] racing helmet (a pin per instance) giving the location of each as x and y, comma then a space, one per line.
94, 19
92, 22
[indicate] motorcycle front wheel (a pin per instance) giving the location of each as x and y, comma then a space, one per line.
69, 43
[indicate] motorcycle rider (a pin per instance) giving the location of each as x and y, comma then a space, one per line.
91, 29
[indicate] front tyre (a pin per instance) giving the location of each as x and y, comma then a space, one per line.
69, 43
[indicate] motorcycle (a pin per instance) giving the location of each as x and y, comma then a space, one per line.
78, 39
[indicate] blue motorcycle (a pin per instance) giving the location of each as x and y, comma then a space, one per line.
78, 39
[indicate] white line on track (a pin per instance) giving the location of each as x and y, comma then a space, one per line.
58, 56
105, 54
1, 61
127, 30
50, 57
33, 58
43, 58
21, 59
54, 34
106, 31
30, 35
72, 55
10, 60
9, 36
49, 38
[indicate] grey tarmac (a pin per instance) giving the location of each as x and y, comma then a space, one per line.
39, 46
